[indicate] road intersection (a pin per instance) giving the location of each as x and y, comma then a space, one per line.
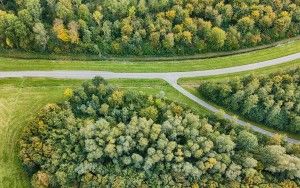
170, 77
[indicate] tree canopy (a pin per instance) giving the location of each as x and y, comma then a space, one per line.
144, 27
273, 99
104, 136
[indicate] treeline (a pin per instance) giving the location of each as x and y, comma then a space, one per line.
273, 100
144, 27
106, 137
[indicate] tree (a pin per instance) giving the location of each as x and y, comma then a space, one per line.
187, 37
204, 28
224, 143
296, 15
249, 162
282, 23
73, 32
168, 41
40, 179
246, 141
276, 139
142, 7
60, 30
250, 103
127, 28
276, 160
84, 13
34, 8
155, 39
20, 32
295, 124
171, 14
245, 24
233, 172
266, 21
64, 10
217, 38
150, 112
7, 28
107, 31
117, 97
41, 35
25, 16
233, 37
97, 15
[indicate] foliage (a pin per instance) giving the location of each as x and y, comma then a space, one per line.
104, 136
143, 27
273, 100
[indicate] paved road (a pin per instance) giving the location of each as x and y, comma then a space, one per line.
171, 78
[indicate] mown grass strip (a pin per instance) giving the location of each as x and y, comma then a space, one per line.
11, 64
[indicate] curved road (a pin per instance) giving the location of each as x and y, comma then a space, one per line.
171, 78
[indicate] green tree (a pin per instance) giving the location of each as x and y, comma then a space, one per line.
224, 143
168, 41
64, 10
217, 38
246, 141
41, 36
245, 24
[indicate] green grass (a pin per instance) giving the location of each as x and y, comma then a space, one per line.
192, 84
194, 81
11, 64
21, 99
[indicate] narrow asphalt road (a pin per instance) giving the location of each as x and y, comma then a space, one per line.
171, 78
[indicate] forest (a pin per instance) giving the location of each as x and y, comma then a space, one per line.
145, 27
103, 136
273, 100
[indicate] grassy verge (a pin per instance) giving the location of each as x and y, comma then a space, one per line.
192, 84
11, 53
194, 81
11, 64
21, 99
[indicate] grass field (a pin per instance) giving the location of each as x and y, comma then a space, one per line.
10, 64
192, 84
194, 81
21, 99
